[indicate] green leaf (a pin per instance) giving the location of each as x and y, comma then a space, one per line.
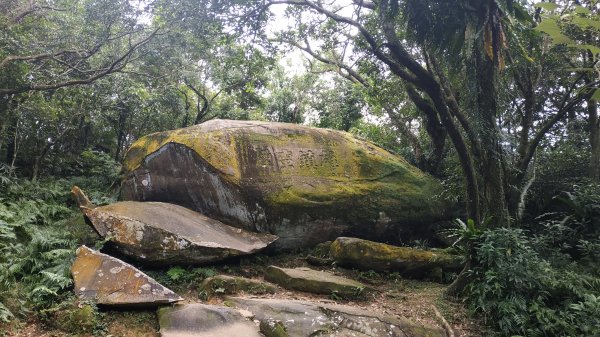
584, 22
551, 27
579, 70
549, 6
593, 49
176, 273
582, 10
596, 95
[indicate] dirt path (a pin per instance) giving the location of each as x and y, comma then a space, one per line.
395, 296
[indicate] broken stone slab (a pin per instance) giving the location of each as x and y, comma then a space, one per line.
293, 318
227, 285
110, 281
201, 320
306, 185
316, 282
164, 234
369, 255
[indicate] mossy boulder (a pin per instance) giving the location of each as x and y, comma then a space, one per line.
227, 285
369, 255
306, 185
316, 282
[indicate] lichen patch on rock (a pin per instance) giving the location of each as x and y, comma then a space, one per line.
123, 285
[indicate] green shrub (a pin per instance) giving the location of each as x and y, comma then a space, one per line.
72, 316
520, 292
38, 235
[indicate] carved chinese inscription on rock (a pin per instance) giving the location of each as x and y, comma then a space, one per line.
285, 158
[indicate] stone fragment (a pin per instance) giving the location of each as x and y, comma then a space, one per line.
306, 185
369, 255
283, 318
200, 320
227, 285
165, 234
110, 281
316, 282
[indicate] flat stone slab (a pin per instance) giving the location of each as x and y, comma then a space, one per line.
227, 285
314, 281
369, 255
110, 281
200, 320
165, 234
291, 318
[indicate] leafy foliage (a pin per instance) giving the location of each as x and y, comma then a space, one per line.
38, 236
545, 284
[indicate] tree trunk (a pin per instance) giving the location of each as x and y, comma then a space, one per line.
36, 168
491, 170
594, 125
4, 111
11, 143
121, 135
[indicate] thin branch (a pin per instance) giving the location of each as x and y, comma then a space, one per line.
12, 58
375, 47
116, 66
351, 74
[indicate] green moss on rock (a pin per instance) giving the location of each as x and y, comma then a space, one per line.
260, 175
369, 255
272, 328
316, 282
227, 285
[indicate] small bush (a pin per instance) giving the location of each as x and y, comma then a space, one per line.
520, 292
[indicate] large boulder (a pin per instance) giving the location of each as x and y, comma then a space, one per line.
306, 185
163, 234
291, 318
110, 281
369, 255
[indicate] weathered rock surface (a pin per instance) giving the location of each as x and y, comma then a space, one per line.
316, 282
227, 285
164, 233
199, 320
110, 281
369, 255
291, 318
306, 185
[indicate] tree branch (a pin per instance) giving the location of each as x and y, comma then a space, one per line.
116, 66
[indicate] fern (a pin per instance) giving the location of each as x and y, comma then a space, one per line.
5, 314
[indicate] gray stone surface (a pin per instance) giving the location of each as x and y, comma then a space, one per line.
200, 320
227, 285
164, 234
314, 281
110, 281
307, 319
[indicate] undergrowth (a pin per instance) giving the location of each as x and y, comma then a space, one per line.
40, 229
544, 281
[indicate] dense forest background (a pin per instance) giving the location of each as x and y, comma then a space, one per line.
496, 98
